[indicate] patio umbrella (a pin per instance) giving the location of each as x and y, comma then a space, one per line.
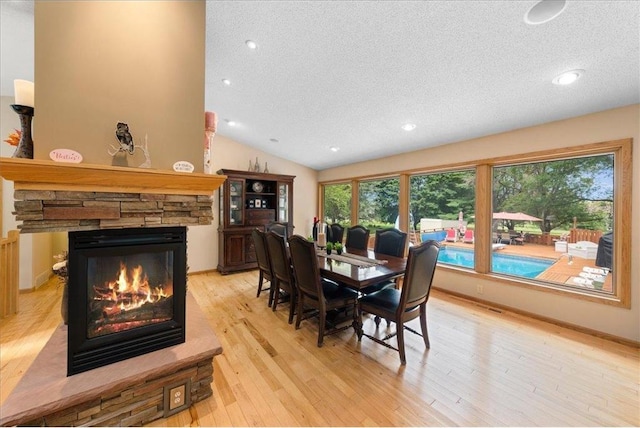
514, 216
460, 217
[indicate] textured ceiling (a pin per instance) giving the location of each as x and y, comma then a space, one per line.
351, 73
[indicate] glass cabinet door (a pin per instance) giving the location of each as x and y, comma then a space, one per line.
283, 203
221, 200
236, 202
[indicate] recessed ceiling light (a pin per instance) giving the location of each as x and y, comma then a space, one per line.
544, 11
226, 82
409, 126
230, 122
251, 44
334, 148
568, 77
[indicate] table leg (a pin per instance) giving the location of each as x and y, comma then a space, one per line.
357, 323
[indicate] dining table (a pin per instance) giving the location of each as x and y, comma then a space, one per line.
358, 269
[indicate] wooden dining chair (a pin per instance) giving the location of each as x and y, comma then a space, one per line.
264, 263
321, 294
402, 306
357, 237
337, 233
391, 242
277, 227
283, 279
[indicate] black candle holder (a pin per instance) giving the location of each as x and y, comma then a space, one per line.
25, 146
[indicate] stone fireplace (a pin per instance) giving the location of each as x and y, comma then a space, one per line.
129, 332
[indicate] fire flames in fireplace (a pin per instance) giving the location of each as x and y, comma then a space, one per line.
129, 301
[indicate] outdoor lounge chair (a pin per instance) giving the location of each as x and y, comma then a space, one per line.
600, 271
468, 237
589, 283
452, 235
583, 249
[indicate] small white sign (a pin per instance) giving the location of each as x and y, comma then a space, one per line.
65, 155
183, 166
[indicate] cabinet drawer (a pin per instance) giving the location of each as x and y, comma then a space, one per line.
260, 217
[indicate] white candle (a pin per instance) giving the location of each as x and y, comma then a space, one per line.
23, 90
322, 240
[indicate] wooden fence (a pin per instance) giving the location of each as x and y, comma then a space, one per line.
9, 274
576, 235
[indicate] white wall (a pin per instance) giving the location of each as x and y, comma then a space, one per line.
202, 250
603, 126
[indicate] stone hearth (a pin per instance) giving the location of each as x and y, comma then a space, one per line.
125, 393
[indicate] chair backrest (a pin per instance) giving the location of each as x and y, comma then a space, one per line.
337, 232
305, 267
390, 242
421, 265
279, 228
357, 237
262, 253
280, 265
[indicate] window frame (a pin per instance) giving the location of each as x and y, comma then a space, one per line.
622, 151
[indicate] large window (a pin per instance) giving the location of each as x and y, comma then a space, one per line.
557, 221
378, 203
337, 204
560, 214
443, 206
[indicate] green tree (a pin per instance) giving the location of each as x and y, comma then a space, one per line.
558, 191
443, 195
378, 200
337, 203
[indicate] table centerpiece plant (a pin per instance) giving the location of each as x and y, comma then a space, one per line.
329, 247
338, 247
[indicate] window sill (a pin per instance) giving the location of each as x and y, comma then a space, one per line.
594, 297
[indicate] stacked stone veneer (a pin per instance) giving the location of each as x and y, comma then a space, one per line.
53, 210
133, 406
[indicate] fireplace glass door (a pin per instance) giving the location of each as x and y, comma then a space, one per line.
127, 292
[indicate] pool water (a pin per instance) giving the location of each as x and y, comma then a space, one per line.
528, 267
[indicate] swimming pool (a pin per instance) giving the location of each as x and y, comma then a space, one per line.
528, 267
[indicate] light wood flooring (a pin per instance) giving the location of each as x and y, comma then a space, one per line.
484, 368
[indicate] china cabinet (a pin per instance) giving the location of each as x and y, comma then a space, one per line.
248, 200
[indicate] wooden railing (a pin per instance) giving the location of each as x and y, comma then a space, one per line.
544, 239
576, 235
9, 274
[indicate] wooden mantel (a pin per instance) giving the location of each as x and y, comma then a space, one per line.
32, 174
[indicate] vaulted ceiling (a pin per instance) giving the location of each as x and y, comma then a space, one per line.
349, 74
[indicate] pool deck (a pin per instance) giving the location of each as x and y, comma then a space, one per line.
562, 271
